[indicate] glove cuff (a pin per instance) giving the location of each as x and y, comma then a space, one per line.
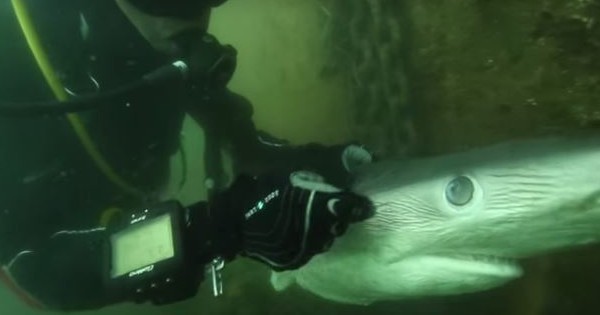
212, 232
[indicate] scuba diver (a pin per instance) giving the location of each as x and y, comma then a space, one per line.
83, 223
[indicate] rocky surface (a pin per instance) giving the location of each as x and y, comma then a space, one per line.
487, 71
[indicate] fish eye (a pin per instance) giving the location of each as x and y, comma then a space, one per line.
460, 191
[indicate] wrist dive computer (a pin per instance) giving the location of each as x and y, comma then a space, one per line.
155, 254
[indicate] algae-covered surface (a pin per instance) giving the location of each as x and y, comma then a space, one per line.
494, 70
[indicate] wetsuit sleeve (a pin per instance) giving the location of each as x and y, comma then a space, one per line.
67, 270
64, 274
229, 119
184, 9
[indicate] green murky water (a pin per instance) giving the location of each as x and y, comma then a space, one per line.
408, 78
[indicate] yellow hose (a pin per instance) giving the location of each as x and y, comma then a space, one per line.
25, 21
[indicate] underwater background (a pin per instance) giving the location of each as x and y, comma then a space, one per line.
408, 78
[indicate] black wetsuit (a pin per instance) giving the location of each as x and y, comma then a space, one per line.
53, 195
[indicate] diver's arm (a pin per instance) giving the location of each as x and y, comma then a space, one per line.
69, 270
64, 273
228, 117
280, 219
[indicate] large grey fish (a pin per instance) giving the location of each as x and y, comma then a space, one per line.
458, 223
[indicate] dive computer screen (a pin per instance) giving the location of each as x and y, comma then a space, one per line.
142, 244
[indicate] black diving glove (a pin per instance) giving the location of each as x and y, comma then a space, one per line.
283, 220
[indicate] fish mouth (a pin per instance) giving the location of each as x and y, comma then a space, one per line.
483, 265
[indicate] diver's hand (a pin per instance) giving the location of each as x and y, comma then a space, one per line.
286, 219
338, 163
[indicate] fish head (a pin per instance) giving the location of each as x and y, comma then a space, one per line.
459, 223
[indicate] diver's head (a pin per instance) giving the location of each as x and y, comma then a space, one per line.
98, 62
